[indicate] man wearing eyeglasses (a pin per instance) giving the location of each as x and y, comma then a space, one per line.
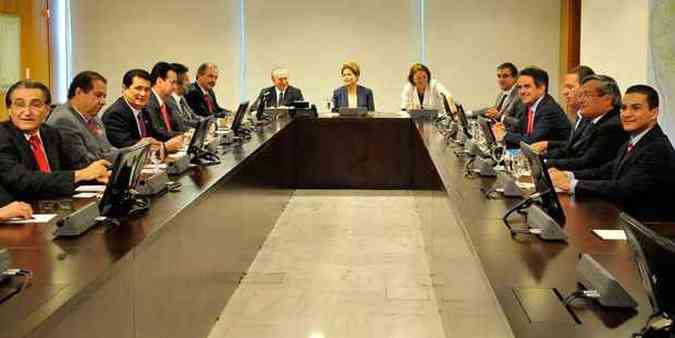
35, 162
598, 135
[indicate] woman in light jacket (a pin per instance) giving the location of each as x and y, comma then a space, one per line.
423, 92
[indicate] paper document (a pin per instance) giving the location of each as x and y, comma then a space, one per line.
152, 166
611, 235
90, 188
86, 195
37, 218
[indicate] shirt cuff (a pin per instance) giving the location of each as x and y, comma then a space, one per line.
573, 182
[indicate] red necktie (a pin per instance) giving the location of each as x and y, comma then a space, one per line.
530, 121
141, 125
93, 127
209, 103
39, 153
165, 117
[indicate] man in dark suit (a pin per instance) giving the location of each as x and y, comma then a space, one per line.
507, 107
201, 97
127, 122
77, 120
163, 79
543, 120
35, 162
570, 92
281, 94
185, 116
640, 177
599, 134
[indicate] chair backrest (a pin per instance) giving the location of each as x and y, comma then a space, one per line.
654, 256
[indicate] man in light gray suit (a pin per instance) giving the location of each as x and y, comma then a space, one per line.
77, 119
507, 107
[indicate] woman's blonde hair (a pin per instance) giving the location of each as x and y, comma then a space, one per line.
351, 65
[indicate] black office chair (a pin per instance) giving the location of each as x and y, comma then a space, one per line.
654, 256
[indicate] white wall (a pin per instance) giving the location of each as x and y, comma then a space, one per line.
614, 39
467, 39
113, 36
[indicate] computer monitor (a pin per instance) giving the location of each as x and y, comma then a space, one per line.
446, 105
654, 256
126, 172
543, 184
239, 117
199, 137
486, 128
463, 122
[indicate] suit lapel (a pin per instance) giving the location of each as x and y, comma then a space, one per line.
26, 153
628, 158
51, 150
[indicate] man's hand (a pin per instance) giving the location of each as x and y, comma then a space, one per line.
16, 210
493, 113
500, 131
560, 179
174, 144
540, 146
98, 171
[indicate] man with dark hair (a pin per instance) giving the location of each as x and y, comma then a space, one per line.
640, 177
200, 95
543, 119
599, 134
507, 107
35, 161
570, 92
77, 120
185, 116
163, 81
127, 122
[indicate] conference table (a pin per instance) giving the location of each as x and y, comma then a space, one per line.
170, 272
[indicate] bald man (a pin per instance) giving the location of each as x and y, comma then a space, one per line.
200, 95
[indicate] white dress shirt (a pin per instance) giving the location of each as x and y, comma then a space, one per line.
433, 97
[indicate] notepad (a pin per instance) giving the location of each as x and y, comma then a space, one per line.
37, 218
611, 235
86, 195
90, 188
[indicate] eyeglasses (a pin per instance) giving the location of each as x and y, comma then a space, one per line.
22, 106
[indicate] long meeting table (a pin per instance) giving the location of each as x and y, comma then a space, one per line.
170, 272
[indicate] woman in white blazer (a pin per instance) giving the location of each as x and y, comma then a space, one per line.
423, 92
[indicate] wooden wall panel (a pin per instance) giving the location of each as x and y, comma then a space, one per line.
34, 40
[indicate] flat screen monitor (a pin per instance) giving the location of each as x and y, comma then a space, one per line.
199, 137
446, 105
543, 184
239, 117
126, 172
654, 255
486, 129
463, 122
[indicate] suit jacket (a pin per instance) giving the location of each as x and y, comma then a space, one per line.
20, 173
291, 95
550, 123
5, 197
641, 181
195, 99
364, 98
185, 117
74, 132
121, 127
155, 117
591, 147
509, 109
